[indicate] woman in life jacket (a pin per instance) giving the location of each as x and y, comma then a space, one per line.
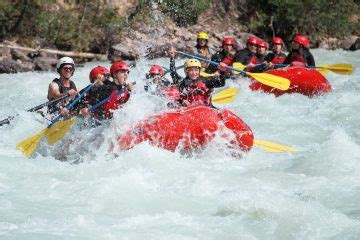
201, 49
247, 56
226, 56
193, 88
62, 86
276, 56
119, 72
97, 93
300, 54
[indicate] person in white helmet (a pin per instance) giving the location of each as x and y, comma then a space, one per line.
63, 85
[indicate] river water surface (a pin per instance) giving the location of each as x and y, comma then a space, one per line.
150, 193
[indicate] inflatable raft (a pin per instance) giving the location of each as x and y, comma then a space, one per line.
305, 81
189, 128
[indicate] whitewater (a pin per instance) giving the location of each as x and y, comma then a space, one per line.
85, 188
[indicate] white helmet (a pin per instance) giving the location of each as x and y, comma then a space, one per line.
63, 61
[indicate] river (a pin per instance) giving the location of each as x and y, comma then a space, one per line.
151, 193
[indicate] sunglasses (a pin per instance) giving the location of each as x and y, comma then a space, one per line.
68, 69
252, 44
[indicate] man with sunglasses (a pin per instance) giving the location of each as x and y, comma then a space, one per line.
225, 56
62, 86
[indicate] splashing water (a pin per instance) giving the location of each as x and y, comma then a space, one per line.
150, 193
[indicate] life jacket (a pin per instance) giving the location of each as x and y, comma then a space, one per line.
205, 53
195, 92
279, 58
297, 57
62, 89
116, 102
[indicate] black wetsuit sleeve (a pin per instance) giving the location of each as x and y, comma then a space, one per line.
310, 61
176, 78
213, 68
215, 82
287, 59
269, 57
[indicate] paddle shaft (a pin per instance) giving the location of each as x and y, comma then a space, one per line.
211, 62
7, 120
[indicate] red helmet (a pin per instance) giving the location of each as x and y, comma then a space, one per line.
302, 40
252, 40
117, 66
96, 71
277, 40
262, 43
228, 41
156, 70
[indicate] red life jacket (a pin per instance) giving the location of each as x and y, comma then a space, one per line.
254, 60
297, 57
196, 93
279, 58
228, 60
116, 102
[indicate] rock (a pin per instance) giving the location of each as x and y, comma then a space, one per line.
356, 45
18, 54
8, 65
122, 52
347, 42
45, 64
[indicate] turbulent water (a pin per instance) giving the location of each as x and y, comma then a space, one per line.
150, 193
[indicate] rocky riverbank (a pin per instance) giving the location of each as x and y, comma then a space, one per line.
151, 35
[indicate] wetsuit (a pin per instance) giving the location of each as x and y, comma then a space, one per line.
301, 55
245, 56
222, 56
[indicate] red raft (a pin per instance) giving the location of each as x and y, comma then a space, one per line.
308, 82
189, 128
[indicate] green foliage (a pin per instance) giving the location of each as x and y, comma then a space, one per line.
87, 26
184, 12
313, 17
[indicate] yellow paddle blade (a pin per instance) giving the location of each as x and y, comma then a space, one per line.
322, 68
273, 147
238, 65
206, 75
341, 68
271, 80
58, 130
225, 96
29, 145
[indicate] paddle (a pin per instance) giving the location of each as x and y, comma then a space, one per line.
28, 145
339, 68
61, 128
265, 78
273, 147
7, 120
225, 96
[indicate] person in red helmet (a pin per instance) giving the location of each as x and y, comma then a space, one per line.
276, 56
201, 49
226, 55
248, 55
119, 72
262, 47
156, 83
101, 90
300, 54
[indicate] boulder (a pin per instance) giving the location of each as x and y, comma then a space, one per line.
8, 65
356, 45
45, 64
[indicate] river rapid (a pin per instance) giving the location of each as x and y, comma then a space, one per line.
151, 193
